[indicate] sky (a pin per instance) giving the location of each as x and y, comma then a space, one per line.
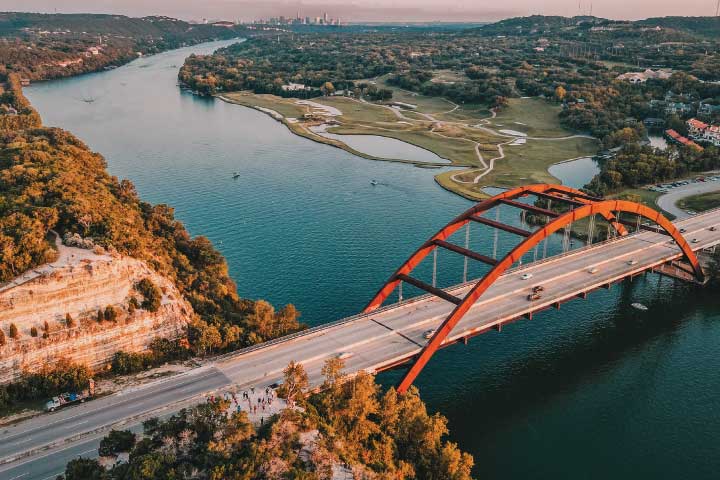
371, 10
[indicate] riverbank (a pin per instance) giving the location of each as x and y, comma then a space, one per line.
513, 157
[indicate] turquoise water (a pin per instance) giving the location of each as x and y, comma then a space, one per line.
596, 390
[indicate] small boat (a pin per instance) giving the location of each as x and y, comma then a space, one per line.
236, 175
373, 182
639, 306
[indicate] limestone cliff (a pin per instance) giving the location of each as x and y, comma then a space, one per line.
79, 283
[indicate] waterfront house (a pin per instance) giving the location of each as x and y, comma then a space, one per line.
704, 133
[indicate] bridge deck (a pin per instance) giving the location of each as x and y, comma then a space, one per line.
388, 337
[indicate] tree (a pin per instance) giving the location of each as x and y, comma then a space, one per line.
560, 93
151, 295
14, 331
328, 88
84, 469
115, 442
100, 315
296, 380
69, 321
46, 327
33, 331
2, 338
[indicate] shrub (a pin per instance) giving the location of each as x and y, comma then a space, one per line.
33, 331
2, 338
69, 321
14, 331
151, 295
110, 313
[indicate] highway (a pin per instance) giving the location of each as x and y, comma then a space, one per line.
37, 448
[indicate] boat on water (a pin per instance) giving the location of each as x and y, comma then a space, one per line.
639, 306
236, 175
373, 182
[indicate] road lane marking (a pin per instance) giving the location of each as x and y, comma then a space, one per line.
19, 476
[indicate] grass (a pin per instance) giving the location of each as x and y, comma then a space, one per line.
700, 202
538, 117
284, 106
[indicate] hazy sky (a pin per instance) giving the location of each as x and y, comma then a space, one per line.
371, 10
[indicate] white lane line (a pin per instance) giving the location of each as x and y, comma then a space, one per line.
21, 441
19, 476
87, 451
54, 475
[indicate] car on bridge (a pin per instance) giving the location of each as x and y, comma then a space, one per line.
593, 270
526, 276
632, 262
429, 333
534, 296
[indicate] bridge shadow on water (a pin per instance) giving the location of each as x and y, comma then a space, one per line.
542, 384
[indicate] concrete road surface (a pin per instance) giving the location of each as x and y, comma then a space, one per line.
35, 447
668, 201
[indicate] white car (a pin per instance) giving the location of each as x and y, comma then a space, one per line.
632, 262
344, 355
695, 240
527, 276
593, 270
428, 334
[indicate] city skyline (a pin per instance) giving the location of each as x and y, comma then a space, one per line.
370, 10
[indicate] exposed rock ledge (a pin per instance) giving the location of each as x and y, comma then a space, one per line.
79, 283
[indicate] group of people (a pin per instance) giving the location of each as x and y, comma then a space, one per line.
261, 402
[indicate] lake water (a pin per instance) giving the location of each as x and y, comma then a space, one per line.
575, 173
596, 390
384, 147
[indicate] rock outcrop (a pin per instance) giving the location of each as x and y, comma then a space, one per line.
78, 284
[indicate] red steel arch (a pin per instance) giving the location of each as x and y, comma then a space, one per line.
583, 206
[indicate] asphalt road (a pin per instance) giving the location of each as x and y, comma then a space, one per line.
373, 341
669, 200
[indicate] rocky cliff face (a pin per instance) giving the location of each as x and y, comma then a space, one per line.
80, 283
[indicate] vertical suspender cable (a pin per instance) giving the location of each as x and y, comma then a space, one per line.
434, 267
467, 245
400, 292
495, 234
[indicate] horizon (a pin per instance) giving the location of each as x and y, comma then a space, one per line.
370, 11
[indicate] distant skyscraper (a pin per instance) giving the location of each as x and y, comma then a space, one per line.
325, 18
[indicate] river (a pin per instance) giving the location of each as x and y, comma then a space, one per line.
596, 390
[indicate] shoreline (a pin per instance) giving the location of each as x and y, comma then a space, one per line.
302, 132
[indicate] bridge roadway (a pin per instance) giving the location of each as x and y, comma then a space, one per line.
39, 447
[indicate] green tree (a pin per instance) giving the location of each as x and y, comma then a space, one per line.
84, 469
115, 442
152, 295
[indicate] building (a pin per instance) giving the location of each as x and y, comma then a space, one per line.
678, 139
224, 24
702, 132
642, 77
708, 109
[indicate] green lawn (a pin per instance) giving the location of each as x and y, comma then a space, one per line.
284, 106
701, 202
534, 116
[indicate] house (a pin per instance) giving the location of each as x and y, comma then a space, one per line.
702, 132
708, 109
642, 77
678, 108
678, 139
654, 122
